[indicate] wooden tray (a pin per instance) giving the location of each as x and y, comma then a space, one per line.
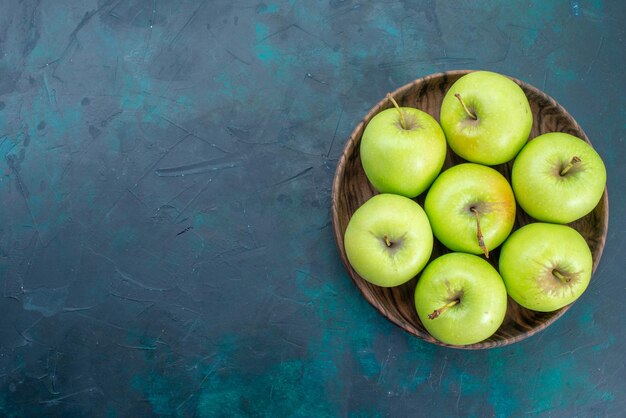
351, 189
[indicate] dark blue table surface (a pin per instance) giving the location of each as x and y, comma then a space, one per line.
165, 178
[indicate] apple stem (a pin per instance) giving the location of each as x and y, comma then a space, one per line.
560, 276
395, 104
575, 160
444, 308
479, 234
470, 114
387, 242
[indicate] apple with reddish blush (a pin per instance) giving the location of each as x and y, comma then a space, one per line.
471, 208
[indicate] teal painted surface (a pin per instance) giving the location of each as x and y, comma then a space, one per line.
165, 237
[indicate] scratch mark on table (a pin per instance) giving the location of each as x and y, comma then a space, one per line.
193, 15
294, 177
597, 54
383, 368
131, 299
186, 189
576, 349
184, 230
138, 347
295, 26
138, 199
50, 93
294, 343
104, 122
27, 338
443, 369
70, 395
193, 199
194, 134
435, 61
330, 148
158, 160
180, 405
200, 167
73, 38
78, 309
128, 278
23, 192
309, 75
343, 12
236, 57
458, 398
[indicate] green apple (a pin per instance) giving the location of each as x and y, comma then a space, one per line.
388, 240
471, 208
402, 151
460, 299
545, 266
558, 178
486, 118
